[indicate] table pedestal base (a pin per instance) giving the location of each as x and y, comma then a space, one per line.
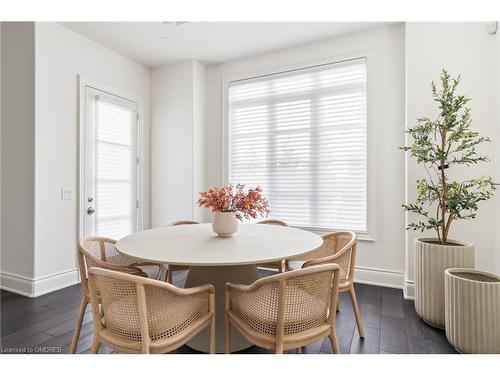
218, 277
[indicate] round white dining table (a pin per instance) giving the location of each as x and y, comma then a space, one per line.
214, 260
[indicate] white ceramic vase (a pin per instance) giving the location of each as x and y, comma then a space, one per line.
431, 260
472, 309
225, 224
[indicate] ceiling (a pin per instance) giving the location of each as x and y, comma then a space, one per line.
160, 43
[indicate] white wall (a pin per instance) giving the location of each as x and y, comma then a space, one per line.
466, 49
382, 260
17, 155
496, 99
62, 55
199, 137
0, 149
176, 141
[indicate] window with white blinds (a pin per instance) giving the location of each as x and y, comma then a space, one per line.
115, 167
301, 135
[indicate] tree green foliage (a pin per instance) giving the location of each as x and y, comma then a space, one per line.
440, 145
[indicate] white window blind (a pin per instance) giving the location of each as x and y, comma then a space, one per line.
115, 167
301, 135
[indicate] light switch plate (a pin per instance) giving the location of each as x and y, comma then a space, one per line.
66, 194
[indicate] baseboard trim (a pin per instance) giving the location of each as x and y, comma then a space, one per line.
379, 277
16, 284
376, 276
31, 287
409, 290
47, 284
36, 287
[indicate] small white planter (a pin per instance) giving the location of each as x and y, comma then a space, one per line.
472, 310
225, 224
431, 259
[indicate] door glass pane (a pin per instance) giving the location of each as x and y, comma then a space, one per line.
115, 169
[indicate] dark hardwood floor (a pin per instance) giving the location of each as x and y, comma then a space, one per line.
45, 324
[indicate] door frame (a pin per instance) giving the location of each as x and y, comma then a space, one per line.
83, 83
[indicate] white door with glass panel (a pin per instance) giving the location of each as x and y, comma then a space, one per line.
109, 205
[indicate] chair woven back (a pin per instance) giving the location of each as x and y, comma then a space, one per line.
273, 222
137, 308
288, 303
119, 303
101, 252
343, 245
339, 248
182, 222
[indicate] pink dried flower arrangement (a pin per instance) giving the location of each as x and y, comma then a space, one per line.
231, 198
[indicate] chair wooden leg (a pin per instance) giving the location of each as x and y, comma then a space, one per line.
283, 266
279, 349
338, 303
78, 327
334, 342
212, 336
158, 274
169, 274
95, 345
357, 312
299, 350
227, 335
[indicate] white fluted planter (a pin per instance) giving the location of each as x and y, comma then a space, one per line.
472, 300
431, 260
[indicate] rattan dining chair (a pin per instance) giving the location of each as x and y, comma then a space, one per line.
101, 252
339, 248
284, 311
280, 266
171, 267
147, 316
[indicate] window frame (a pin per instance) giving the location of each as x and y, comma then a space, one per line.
368, 56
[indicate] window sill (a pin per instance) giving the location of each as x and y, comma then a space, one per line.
366, 237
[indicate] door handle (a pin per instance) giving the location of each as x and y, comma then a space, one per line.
90, 210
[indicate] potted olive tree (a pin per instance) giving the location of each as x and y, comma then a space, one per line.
441, 145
